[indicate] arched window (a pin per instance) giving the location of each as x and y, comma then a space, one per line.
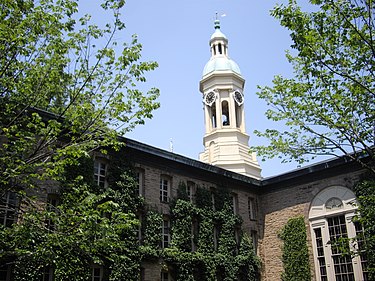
213, 116
331, 214
220, 49
225, 113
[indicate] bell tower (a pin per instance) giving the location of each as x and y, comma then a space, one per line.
222, 85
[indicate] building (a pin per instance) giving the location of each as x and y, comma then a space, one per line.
321, 193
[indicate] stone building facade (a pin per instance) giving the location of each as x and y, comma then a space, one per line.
308, 192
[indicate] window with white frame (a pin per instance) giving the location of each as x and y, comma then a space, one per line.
165, 233
8, 208
331, 219
100, 173
139, 175
252, 208
97, 273
165, 185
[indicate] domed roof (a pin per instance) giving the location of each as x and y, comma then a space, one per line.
218, 34
221, 64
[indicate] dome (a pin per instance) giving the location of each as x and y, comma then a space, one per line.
218, 34
221, 64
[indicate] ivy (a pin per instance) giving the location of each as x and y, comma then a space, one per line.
365, 193
215, 258
295, 252
150, 247
97, 225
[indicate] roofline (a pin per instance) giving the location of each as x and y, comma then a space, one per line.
133, 144
332, 166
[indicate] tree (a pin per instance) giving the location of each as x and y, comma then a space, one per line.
90, 226
365, 192
67, 87
295, 252
328, 105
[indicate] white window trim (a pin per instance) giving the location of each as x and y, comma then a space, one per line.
97, 174
140, 181
165, 194
318, 219
165, 233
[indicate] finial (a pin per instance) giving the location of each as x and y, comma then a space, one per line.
217, 22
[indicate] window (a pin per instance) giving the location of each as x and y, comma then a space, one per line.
237, 237
212, 190
165, 233
100, 173
139, 175
320, 254
194, 234
252, 207
225, 113
46, 274
190, 189
254, 238
8, 208
213, 116
138, 231
216, 237
97, 273
4, 273
234, 203
361, 249
342, 263
53, 201
164, 189
165, 276
331, 218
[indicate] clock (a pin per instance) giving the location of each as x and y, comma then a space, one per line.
238, 97
209, 98
334, 203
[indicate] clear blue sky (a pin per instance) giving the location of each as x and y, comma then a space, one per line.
176, 35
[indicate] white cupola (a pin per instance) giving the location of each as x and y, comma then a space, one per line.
225, 140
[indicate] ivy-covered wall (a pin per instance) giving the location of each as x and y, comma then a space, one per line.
207, 241
295, 254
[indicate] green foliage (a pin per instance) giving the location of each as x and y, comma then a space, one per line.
295, 252
89, 226
213, 258
365, 192
328, 106
150, 247
67, 87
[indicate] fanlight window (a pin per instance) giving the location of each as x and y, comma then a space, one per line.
333, 204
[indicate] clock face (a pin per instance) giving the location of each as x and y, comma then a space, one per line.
238, 97
209, 98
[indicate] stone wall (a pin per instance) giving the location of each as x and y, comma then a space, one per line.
278, 206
